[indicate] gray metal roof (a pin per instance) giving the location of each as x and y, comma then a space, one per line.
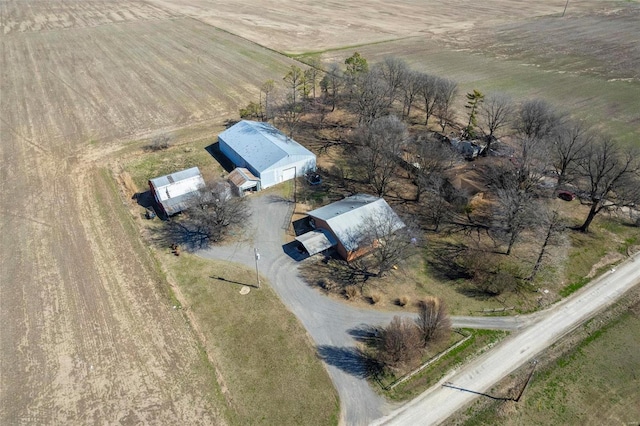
174, 190
261, 145
346, 216
175, 177
316, 241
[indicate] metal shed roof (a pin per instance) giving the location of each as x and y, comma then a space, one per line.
344, 217
316, 241
261, 145
242, 178
174, 190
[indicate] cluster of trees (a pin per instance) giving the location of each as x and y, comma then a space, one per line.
399, 345
547, 146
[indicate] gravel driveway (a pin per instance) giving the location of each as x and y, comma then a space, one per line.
331, 324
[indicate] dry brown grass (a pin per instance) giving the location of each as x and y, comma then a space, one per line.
263, 354
375, 297
402, 301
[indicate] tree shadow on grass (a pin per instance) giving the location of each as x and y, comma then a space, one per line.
442, 260
348, 359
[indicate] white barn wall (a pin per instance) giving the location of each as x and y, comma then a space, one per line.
274, 175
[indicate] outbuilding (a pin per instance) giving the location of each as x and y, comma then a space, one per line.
173, 191
344, 220
266, 152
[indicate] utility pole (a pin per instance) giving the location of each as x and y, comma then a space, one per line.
565, 8
257, 257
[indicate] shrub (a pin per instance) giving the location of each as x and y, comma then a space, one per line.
402, 301
400, 344
350, 291
375, 298
327, 284
160, 142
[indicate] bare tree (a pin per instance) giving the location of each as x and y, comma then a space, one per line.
211, 214
385, 239
447, 91
536, 120
332, 82
552, 225
393, 71
610, 178
432, 158
532, 159
410, 89
288, 113
435, 207
313, 73
515, 209
429, 91
266, 88
379, 145
569, 148
433, 320
496, 112
295, 81
400, 344
373, 98
514, 214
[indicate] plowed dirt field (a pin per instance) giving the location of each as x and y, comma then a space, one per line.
87, 333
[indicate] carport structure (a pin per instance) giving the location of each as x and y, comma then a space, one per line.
316, 241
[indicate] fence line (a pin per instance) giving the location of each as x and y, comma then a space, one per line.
428, 363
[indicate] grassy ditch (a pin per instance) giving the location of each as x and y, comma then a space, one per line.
264, 357
595, 382
478, 342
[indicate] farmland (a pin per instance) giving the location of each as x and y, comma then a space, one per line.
89, 333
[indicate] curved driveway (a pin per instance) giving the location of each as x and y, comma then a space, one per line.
331, 324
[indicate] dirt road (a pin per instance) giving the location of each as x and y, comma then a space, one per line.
438, 403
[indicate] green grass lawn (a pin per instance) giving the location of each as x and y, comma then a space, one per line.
265, 359
597, 383
148, 164
479, 341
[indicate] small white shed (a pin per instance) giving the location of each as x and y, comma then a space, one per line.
172, 192
267, 152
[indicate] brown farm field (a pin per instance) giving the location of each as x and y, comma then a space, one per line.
310, 26
89, 333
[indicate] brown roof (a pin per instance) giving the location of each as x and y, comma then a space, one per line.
239, 176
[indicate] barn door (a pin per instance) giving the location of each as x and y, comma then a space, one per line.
288, 174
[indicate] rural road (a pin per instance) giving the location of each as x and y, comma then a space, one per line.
330, 323
438, 403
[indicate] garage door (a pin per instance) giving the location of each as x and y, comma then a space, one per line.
288, 174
